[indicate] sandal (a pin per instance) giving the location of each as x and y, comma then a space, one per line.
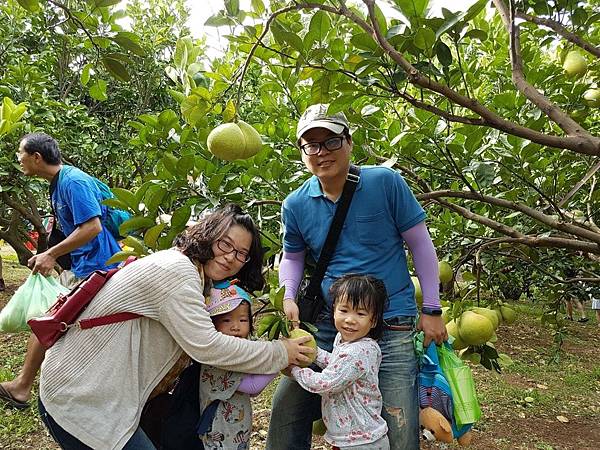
10, 400
583, 320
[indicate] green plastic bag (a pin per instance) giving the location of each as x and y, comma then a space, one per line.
460, 379
32, 299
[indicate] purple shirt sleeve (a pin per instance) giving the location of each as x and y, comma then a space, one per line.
291, 269
426, 263
253, 384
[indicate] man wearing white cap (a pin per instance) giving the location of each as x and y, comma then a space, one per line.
383, 215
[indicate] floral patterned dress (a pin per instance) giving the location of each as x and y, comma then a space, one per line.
232, 424
351, 400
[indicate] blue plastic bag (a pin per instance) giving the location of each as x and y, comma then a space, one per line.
32, 299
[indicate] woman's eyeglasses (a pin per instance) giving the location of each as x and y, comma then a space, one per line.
226, 247
331, 144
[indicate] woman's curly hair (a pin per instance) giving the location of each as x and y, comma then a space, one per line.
197, 242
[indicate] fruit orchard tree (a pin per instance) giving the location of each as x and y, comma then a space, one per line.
482, 111
489, 113
58, 63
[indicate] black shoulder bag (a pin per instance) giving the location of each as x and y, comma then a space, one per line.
310, 297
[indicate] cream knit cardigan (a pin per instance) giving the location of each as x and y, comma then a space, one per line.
95, 382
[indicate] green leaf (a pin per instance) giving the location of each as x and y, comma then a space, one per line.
443, 53
126, 197
185, 165
85, 74
258, 6
116, 68
310, 327
103, 3
413, 8
424, 39
98, 90
229, 111
232, 7
134, 224
476, 34
30, 5
180, 217
179, 97
136, 245
120, 256
115, 203
151, 236
128, 44
320, 24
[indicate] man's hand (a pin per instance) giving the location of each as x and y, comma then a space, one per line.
292, 312
434, 329
42, 263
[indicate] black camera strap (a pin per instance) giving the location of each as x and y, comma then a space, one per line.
335, 229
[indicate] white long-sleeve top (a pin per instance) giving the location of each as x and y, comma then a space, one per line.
351, 401
95, 382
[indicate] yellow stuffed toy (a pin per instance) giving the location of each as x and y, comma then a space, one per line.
435, 427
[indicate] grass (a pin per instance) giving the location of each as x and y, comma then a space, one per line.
569, 388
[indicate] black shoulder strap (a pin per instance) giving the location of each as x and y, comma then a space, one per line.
334, 230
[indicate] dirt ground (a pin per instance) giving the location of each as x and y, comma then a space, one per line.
562, 410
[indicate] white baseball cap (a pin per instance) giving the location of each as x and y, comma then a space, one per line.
316, 116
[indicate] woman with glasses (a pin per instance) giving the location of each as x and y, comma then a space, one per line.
95, 382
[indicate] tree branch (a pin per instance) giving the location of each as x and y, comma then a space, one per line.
562, 119
580, 144
531, 212
81, 25
561, 30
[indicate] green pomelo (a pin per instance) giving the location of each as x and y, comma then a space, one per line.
227, 142
508, 314
498, 314
445, 272
475, 329
252, 139
418, 292
452, 329
592, 97
491, 315
318, 427
297, 333
575, 64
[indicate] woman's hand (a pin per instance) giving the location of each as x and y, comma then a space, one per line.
290, 308
296, 351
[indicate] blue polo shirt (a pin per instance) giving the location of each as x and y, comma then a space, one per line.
77, 199
370, 243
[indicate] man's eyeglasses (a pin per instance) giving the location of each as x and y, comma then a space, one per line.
226, 247
331, 144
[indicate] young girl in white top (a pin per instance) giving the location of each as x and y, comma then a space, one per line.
225, 395
351, 401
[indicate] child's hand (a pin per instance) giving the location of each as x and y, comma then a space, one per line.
287, 371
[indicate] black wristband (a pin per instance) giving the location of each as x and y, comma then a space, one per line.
431, 311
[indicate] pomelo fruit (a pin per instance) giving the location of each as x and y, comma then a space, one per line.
452, 329
575, 64
445, 272
230, 141
253, 140
418, 292
491, 315
508, 314
592, 97
474, 329
498, 314
318, 427
296, 333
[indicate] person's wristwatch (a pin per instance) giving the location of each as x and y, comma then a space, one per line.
431, 311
